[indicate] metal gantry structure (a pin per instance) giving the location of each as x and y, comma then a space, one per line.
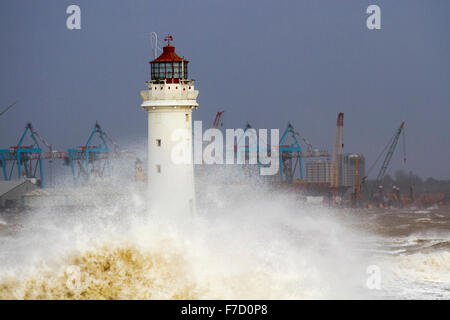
88, 156
94, 161
250, 151
25, 160
217, 119
242, 149
389, 154
290, 155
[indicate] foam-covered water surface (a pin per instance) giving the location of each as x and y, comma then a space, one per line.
246, 241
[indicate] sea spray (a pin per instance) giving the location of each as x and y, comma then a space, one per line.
246, 241
256, 244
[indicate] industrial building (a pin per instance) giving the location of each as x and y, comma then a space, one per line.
349, 165
318, 171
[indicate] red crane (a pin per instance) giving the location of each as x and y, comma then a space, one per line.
217, 119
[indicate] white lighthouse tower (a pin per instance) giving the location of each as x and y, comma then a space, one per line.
169, 101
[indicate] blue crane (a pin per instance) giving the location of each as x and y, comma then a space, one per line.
26, 159
290, 155
87, 154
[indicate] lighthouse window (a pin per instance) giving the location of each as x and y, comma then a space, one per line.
158, 168
176, 70
169, 71
187, 117
164, 70
185, 70
158, 142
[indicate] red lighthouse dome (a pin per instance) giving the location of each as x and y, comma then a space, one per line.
169, 66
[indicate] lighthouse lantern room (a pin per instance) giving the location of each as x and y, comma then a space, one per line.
169, 66
169, 101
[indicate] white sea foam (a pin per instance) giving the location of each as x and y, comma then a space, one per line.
245, 242
433, 266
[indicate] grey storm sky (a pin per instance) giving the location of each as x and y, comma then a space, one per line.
266, 62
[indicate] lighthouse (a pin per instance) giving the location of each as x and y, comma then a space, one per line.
169, 101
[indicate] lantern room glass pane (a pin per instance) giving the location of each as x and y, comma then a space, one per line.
185, 70
169, 72
176, 70
164, 70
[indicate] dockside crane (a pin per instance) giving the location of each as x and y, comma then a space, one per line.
88, 154
95, 160
290, 155
289, 149
217, 119
26, 159
390, 153
376, 194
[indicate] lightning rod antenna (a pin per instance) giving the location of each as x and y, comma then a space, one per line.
154, 43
